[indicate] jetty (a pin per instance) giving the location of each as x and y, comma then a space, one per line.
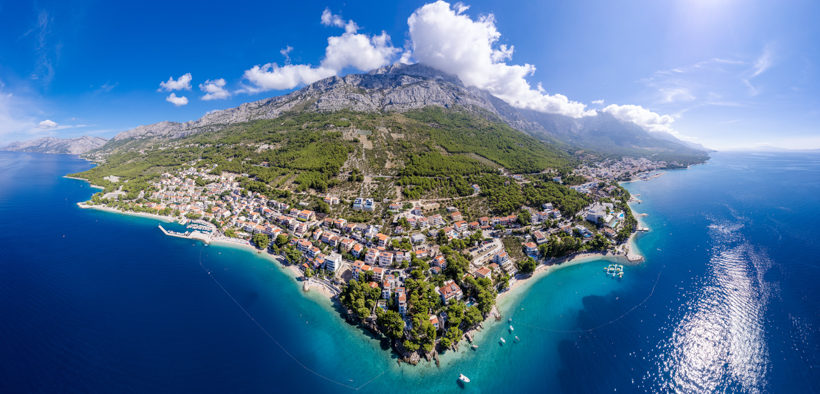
196, 234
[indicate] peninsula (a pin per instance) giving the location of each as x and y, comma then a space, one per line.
411, 199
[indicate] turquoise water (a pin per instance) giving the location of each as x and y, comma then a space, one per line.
727, 301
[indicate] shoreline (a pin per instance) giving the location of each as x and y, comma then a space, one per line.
323, 296
504, 301
166, 219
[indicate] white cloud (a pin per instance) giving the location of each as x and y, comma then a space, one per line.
47, 124
675, 94
330, 19
764, 61
178, 101
761, 64
444, 38
598, 102
358, 51
643, 117
351, 49
182, 83
214, 89
273, 77
286, 53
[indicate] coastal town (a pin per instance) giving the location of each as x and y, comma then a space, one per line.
422, 274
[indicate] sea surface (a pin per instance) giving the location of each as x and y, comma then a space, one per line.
728, 300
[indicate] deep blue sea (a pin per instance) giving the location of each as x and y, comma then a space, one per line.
728, 300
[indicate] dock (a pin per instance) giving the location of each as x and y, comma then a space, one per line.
196, 234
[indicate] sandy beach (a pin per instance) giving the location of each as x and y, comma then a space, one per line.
166, 219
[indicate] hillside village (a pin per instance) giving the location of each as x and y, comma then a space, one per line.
421, 274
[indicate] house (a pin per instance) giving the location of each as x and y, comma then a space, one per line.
599, 213
434, 321
382, 239
305, 215
450, 291
422, 253
394, 207
369, 205
356, 268
378, 273
439, 261
371, 256
531, 249
333, 261
385, 258
539, 237
483, 272
346, 244
402, 301
501, 258
417, 238
387, 286
357, 249
456, 216
460, 225
358, 204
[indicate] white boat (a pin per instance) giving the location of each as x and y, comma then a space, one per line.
502, 340
516, 338
509, 320
511, 328
474, 347
463, 378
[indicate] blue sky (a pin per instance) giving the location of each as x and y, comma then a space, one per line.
725, 73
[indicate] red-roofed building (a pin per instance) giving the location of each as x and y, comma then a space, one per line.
450, 291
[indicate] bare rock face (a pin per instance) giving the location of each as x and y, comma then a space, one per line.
401, 88
396, 88
72, 146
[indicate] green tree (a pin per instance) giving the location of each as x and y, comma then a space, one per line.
261, 240
391, 323
527, 266
524, 217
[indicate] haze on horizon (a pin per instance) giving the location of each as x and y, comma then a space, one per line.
723, 73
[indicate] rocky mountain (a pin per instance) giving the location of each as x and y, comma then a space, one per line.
72, 146
401, 88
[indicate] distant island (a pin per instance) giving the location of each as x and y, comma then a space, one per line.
411, 200
54, 145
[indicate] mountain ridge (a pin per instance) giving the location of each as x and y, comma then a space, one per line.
402, 88
54, 145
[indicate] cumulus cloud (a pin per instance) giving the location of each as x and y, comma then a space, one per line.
641, 116
178, 101
214, 89
598, 102
47, 124
445, 38
181, 83
273, 77
351, 49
